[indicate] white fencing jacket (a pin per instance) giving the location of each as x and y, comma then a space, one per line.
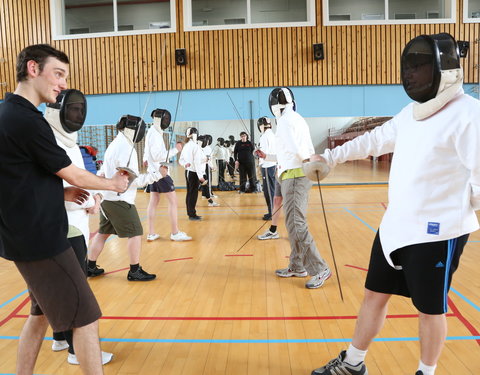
76, 213
220, 153
434, 185
267, 145
192, 154
155, 150
293, 141
117, 155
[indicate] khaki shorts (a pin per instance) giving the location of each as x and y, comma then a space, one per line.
121, 219
59, 290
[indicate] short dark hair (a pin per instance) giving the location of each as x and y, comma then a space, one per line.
243, 133
38, 53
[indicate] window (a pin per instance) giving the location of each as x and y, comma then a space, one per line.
376, 12
89, 18
471, 11
235, 14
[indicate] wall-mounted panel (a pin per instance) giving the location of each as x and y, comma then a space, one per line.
234, 58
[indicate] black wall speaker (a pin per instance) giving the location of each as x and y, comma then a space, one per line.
463, 47
318, 51
181, 56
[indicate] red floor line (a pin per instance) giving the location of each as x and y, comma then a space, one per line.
462, 319
358, 268
246, 318
13, 314
239, 255
383, 205
173, 260
121, 269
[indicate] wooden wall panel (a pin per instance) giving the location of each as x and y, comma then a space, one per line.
354, 55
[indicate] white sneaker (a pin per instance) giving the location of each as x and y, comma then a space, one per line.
213, 196
204, 197
60, 345
106, 357
153, 237
213, 204
318, 280
180, 236
287, 272
269, 235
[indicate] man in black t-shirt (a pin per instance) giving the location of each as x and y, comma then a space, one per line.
33, 222
245, 163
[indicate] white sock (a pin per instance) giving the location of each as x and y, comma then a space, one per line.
354, 356
427, 370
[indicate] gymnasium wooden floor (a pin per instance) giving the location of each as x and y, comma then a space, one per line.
217, 307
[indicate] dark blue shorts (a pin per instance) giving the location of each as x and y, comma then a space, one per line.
164, 185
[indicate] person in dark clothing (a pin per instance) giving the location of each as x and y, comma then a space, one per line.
33, 221
245, 163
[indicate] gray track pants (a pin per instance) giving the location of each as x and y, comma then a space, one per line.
304, 253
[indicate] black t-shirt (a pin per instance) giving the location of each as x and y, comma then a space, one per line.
243, 152
33, 221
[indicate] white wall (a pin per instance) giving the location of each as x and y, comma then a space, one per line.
318, 128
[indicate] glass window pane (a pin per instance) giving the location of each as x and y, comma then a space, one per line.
276, 11
143, 15
419, 9
342, 10
219, 12
83, 17
473, 8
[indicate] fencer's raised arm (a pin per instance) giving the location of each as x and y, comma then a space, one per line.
378, 141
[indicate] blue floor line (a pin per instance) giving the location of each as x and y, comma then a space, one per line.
476, 307
13, 298
261, 341
361, 220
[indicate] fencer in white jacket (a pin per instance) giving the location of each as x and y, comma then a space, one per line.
154, 156
433, 192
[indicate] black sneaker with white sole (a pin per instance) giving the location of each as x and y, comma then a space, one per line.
140, 275
337, 366
95, 271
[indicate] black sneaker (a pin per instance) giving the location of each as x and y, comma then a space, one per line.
267, 217
140, 275
419, 372
195, 218
338, 366
96, 271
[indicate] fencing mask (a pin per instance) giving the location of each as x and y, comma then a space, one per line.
191, 133
133, 127
279, 99
209, 139
431, 73
263, 123
161, 119
67, 115
202, 141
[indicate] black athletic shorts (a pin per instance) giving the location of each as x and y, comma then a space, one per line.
164, 185
426, 273
59, 290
